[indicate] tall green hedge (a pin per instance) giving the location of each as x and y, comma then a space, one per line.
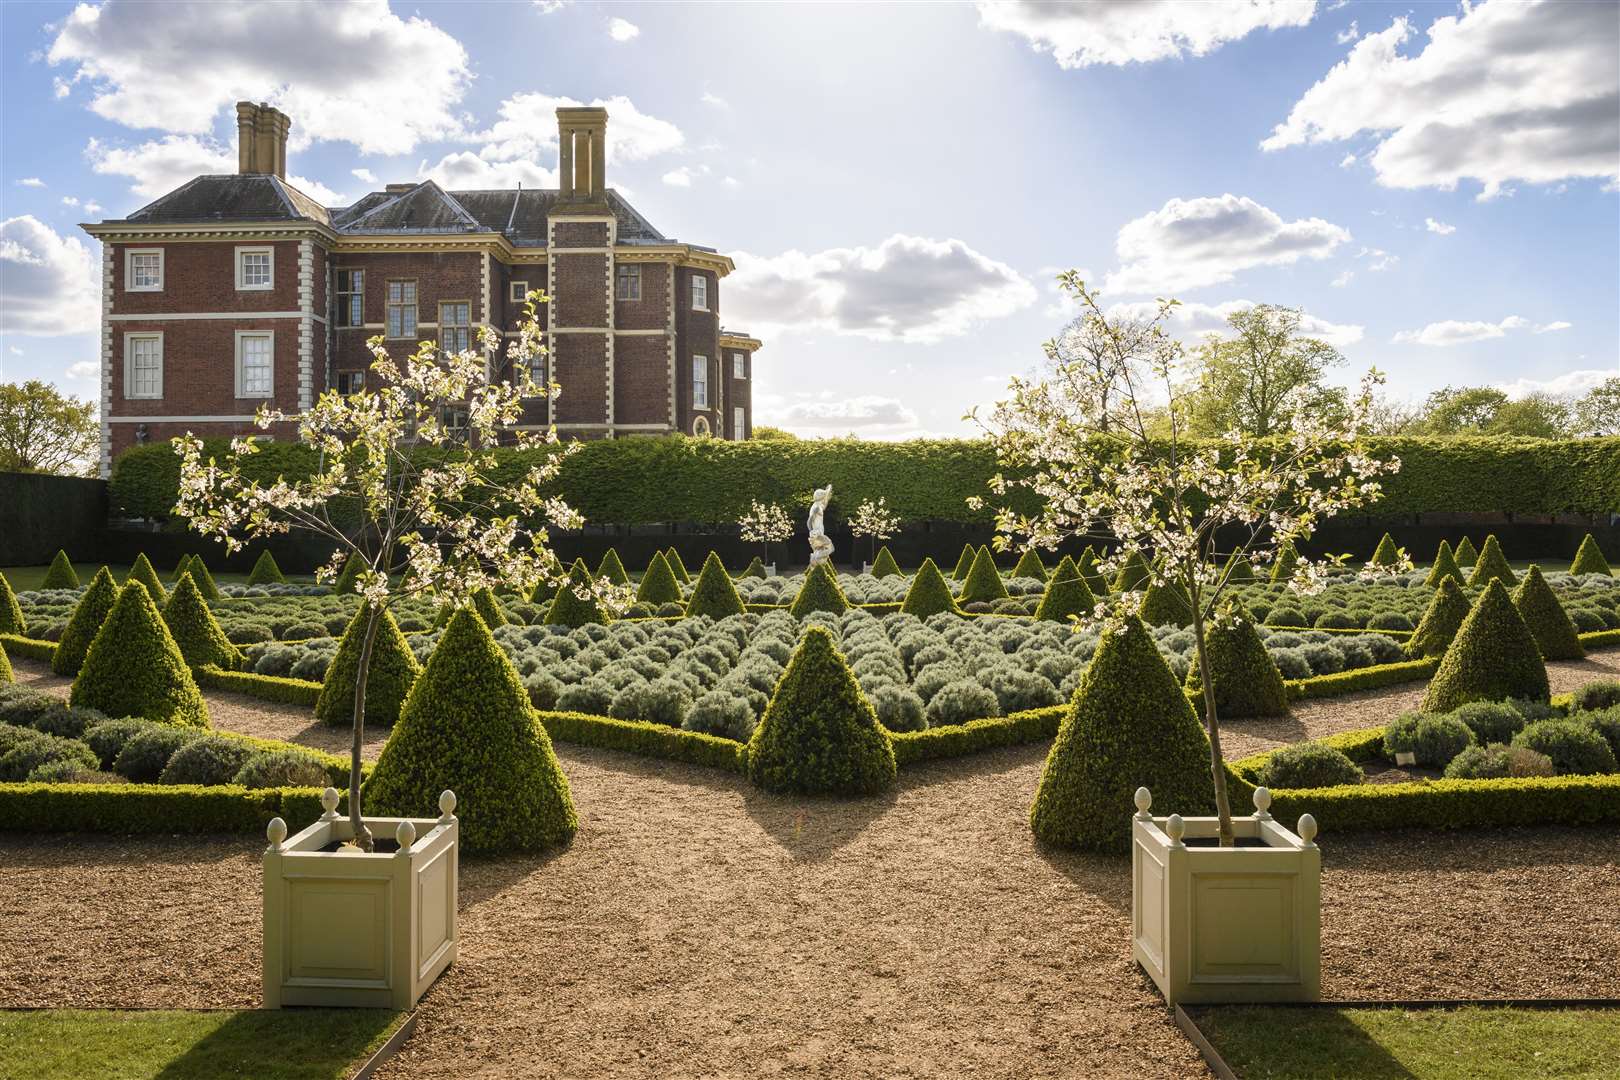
1445, 565
1467, 554
612, 568
266, 572
1030, 566
1441, 620
1247, 682
820, 592
1492, 565
658, 584
884, 565
571, 609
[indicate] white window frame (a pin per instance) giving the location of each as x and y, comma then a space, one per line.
739, 421
415, 305
700, 363
129, 269
700, 284
269, 335
517, 292
129, 366
256, 249
739, 365
700, 426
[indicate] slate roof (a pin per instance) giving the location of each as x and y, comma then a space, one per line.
234, 197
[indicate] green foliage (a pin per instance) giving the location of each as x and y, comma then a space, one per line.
134, 668
1030, 565
467, 726
1386, 554
1133, 575
194, 629
1309, 765
388, 680
1493, 657
983, 582
1287, 559
1576, 749
1492, 564
1128, 726
964, 563
142, 572
676, 566
1445, 566
1490, 721
88, 615
1599, 694
180, 568
132, 809
1496, 761
6, 674
646, 739
820, 592
658, 584
1247, 682
1065, 598
61, 575
1589, 559
929, 593
205, 581
1066, 568
265, 571
1466, 555
959, 740
211, 759
756, 568
11, 616
290, 767
348, 578
145, 755
569, 608
612, 568
488, 608
1091, 574
1167, 604
264, 687
884, 565
1441, 620
1540, 608
819, 734
1241, 571
542, 593
714, 594
1432, 739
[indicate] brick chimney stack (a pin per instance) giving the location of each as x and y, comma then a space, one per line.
582, 156
261, 139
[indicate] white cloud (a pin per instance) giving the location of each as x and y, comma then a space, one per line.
549, 7
681, 177
14, 350
716, 100
31, 181
1190, 243
622, 29
1344, 278
1193, 321
365, 176
49, 284
1380, 260
908, 288
352, 72
1347, 161
1348, 34
732, 182
82, 370
1438, 227
92, 207
1502, 92
318, 191
69, 200
1453, 332
467, 171
868, 414
1079, 35
160, 166
527, 128
1552, 327
1568, 385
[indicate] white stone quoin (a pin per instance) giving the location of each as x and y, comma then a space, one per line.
348, 929
1238, 924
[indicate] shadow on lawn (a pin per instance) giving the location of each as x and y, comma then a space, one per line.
283, 1044
1306, 1044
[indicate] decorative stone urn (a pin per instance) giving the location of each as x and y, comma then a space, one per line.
350, 929
1237, 924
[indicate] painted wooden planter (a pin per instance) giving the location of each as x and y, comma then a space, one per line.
350, 929
1238, 924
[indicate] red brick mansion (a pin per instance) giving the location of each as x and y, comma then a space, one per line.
235, 291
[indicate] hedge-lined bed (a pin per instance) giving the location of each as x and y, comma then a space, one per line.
153, 808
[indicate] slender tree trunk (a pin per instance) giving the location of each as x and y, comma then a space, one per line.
362, 835
1212, 721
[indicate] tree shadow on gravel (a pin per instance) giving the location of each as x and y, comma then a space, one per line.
1105, 878
998, 761
1484, 850
489, 877
54, 850
812, 829
1282, 729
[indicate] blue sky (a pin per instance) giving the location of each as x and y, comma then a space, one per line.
1434, 184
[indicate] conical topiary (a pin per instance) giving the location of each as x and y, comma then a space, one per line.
389, 678
1541, 611
467, 726
142, 572
1588, 559
983, 582
658, 584
571, 609
929, 593
1065, 597
1441, 621
489, 609
714, 594
819, 734
612, 568
1445, 565
85, 621
134, 668
1386, 553
754, 569
180, 568
6, 674
1492, 564
1129, 726
1240, 571
194, 629
820, 592
884, 565
1133, 574
1030, 566
964, 563
11, 616
1166, 604
348, 579
1493, 657
205, 581
676, 566
1066, 568
1466, 555
61, 574
543, 592
1247, 682
1091, 573
1287, 559
265, 571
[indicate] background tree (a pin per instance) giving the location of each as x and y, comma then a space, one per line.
1260, 377
764, 524
874, 519
767, 433
1597, 412
42, 430
1486, 410
1079, 351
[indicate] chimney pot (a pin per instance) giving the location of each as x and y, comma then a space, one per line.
582, 155
261, 139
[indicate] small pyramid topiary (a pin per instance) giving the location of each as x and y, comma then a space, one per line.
194, 629
1466, 555
964, 563
1493, 657
820, 592
1030, 566
1441, 620
1129, 726
1133, 574
983, 582
142, 572
1066, 568
6, 674
11, 616
819, 734
1386, 553
571, 609
1065, 597
205, 581
714, 594
1542, 612
676, 566
134, 668
489, 608
180, 568
467, 726
658, 584
1588, 559
884, 565
389, 679
348, 579
1287, 560
1091, 573
1445, 565
1247, 682
1492, 564
1167, 604
265, 571
85, 621
542, 593
754, 569
61, 575
929, 593
612, 568
1240, 571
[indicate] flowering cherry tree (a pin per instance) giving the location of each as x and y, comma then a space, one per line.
405, 481
1104, 450
874, 519
764, 524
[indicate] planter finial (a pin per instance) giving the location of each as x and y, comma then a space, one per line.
1175, 828
406, 836
329, 803
1262, 804
1144, 799
276, 832
1307, 829
447, 806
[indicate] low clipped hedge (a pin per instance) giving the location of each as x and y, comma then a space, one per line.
17, 645
647, 739
1367, 678
959, 740
265, 687
134, 809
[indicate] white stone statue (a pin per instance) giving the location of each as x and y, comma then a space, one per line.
821, 548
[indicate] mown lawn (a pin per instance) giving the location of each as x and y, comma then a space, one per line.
289, 1044
1475, 1043
26, 578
